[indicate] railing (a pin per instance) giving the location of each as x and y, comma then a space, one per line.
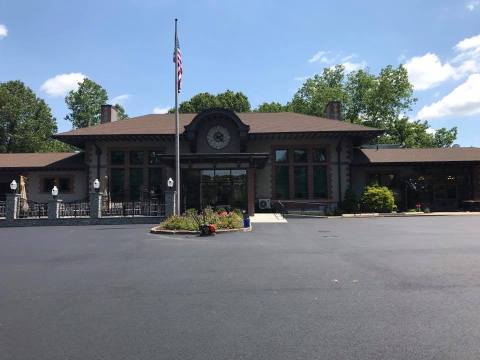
279, 208
302, 207
29, 209
3, 207
134, 208
75, 209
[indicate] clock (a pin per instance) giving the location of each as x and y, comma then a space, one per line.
218, 137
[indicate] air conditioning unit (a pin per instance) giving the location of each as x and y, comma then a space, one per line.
264, 204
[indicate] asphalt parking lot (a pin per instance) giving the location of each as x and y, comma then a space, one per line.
384, 288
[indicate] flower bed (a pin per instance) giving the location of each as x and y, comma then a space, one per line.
192, 221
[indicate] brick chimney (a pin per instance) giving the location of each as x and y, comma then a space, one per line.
333, 110
108, 114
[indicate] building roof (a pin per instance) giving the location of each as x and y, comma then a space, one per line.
390, 156
60, 160
164, 124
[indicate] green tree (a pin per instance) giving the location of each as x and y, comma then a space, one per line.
234, 101
373, 100
121, 113
271, 107
26, 121
444, 137
85, 104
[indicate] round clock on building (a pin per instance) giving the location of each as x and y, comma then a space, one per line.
218, 137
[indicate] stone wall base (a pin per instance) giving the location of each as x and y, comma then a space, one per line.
81, 221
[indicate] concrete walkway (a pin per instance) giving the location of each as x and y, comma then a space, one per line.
267, 218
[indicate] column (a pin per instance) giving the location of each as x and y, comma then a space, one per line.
54, 208
170, 205
95, 205
12, 206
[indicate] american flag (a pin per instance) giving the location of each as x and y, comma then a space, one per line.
178, 61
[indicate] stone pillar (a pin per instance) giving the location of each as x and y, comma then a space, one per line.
54, 208
12, 206
95, 205
170, 206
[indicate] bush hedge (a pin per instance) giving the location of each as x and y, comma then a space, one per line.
377, 199
190, 220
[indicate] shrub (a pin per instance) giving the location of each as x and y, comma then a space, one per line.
190, 220
377, 199
350, 202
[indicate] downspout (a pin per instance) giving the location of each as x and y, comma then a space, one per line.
339, 158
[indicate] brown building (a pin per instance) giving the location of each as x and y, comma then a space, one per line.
244, 160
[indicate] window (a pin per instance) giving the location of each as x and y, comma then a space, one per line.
281, 156
302, 175
117, 158
301, 182
155, 181
136, 183
319, 155
117, 183
136, 157
65, 185
320, 181
282, 184
136, 174
48, 184
300, 155
155, 157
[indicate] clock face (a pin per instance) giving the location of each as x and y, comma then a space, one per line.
218, 137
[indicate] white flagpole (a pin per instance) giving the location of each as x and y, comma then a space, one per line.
177, 129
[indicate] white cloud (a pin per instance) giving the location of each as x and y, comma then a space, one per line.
464, 100
427, 71
319, 56
472, 5
61, 84
120, 99
431, 131
159, 110
347, 61
352, 66
468, 43
3, 31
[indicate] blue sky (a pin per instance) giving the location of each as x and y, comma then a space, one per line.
261, 47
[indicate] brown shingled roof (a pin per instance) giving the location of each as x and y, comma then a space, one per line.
42, 160
389, 156
164, 124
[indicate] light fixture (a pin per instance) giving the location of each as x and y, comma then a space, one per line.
55, 191
13, 186
170, 183
96, 185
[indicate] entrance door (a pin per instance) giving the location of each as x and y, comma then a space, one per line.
215, 188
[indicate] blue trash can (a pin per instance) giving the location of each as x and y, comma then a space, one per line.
246, 222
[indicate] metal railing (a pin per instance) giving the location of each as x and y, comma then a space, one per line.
3, 208
75, 209
29, 209
298, 207
134, 208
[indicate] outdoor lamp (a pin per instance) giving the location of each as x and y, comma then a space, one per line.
13, 186
96, 185
55, 191
170, 183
